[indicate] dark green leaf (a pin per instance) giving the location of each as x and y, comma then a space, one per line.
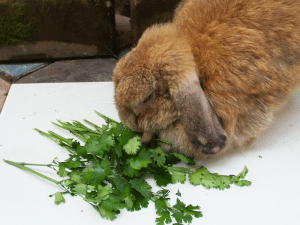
142, 160
87, 174
120, 183
161, 204
98, 174
162, 177
129, 171
113, 203
164, 218
184, 159
191, 210
71, 164
159, 157
107, 213
118, 149
142, 187
81, 151
126, 135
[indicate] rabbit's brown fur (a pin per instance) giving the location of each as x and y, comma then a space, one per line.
246, 54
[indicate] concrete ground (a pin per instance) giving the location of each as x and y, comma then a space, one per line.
82, 70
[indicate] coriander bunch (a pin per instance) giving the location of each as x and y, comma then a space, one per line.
109, 172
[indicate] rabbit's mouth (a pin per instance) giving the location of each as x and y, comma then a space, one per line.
147, 136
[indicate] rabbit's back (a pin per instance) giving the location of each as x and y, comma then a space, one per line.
248, 56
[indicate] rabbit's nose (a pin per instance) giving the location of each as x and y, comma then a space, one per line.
215, 146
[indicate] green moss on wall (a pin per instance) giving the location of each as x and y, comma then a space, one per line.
13, 26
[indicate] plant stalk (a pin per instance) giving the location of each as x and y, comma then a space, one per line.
21, 166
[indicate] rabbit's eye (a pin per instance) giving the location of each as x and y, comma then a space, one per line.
148, 98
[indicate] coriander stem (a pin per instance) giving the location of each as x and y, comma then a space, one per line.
94, 125
33, 164
107, 119
21, 166
164, 141
46, 135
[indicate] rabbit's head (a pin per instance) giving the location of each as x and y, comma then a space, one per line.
158, 92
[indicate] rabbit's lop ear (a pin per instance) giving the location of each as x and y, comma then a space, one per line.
201, 122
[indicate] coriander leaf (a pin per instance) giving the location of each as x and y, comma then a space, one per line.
71, 164
120, 183
161, 204
62, 170
98, 175
159, 157
129, 202
129, 199
142, 187
68, 183
104, 128
105, 164
106, 141
242, 183
171, 159
118, 150
87, 174
159, 151
178, 177
142, 160
93, 147
190, 210
184, 159
164, 217
126, 135
92, 197
75, 177
80, 188
139, 202
98, 146
243, 174
163, 192
222, 182
179, 215
116, 129
162, 177
178, 193
92, 188
129, 171
179, 205
59, 198
103, 191
132, 146
237, 179
81, 151
203, 177
107, 213
75, 144
113, 203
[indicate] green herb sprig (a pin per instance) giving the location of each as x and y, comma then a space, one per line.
109, 172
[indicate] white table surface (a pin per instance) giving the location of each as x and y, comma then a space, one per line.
273, 198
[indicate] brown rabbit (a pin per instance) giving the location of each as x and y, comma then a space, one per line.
213, 77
